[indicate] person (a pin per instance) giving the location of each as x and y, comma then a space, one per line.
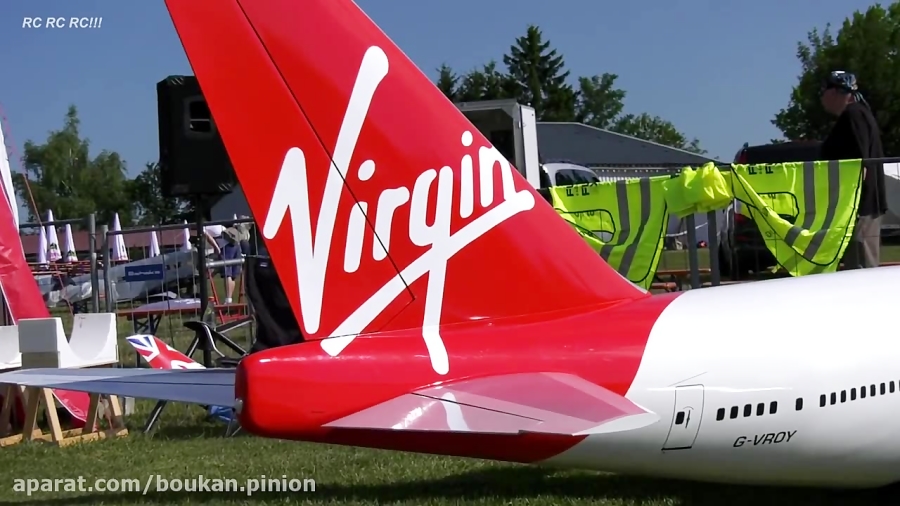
214, 239
244, 233
856, 135
225, 242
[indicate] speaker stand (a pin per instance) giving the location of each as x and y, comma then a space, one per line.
201, 209
202, 340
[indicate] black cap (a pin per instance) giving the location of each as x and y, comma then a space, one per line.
840, 80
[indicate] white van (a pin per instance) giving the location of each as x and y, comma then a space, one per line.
566, 174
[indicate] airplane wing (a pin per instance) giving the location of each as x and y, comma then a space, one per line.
548, 403
203, 386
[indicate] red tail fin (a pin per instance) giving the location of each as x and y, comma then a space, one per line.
383, 208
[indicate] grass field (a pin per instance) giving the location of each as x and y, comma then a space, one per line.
186, 445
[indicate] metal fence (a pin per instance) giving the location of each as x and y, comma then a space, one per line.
150, 294
55, 279
156, 295
175, 255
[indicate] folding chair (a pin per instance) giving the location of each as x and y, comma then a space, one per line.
276, 326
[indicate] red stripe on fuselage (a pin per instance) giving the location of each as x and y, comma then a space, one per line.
291, 392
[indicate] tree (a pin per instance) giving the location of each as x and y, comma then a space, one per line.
599, 102
540, 77
486, 83
62, 177
536, 76
867, 45
447, 82
151, 208
655, 129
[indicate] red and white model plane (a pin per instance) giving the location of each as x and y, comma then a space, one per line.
449, 310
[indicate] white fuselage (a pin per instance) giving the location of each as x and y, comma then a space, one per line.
736, 350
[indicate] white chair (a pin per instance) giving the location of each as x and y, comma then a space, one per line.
10, 358
43, 343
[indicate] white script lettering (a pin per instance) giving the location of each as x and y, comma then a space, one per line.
312, 252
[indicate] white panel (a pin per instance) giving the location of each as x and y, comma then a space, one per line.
530, 143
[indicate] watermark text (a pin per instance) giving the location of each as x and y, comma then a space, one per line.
156, 483
62, 22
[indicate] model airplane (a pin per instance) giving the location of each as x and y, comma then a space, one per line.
449, 310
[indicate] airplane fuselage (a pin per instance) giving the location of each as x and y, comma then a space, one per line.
784, 382
736, 374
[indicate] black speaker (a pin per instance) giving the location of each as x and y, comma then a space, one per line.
192, 156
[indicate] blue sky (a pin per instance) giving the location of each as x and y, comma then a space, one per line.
718, 70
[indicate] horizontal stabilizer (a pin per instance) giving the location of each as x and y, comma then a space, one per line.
546, 403
203, 386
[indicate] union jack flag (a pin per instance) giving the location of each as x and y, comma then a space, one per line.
145, 345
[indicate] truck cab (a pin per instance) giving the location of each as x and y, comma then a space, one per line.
512, 128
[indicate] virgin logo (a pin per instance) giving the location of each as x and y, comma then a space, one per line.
312, 252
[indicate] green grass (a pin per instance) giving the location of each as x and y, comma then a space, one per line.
186, 446
674, 260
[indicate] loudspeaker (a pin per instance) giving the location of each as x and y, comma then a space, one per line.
192, 156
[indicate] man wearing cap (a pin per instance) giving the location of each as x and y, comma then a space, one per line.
856, 135
226, 243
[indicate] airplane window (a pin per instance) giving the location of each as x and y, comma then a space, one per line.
843, 396
720, 414
871, 390
883, 389
852, 394
679, 418
891, 386
862, 392
833, 398
748, 409
760, 409
822, 401
734, 412
799, 404
773, 407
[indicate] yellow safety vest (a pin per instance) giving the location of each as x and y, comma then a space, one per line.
698, 191
805, 211
631, 213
